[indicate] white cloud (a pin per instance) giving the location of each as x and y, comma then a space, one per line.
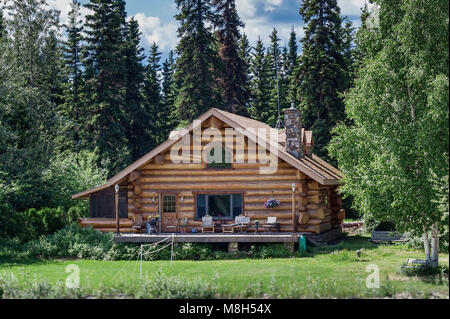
271, 5
64, 6
153, 30
351, 7
259, 27
246, 8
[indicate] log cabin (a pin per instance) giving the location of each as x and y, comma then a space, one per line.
224, 165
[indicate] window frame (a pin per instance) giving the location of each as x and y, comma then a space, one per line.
207, 194
175, 203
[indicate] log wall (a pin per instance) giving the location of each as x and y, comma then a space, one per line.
312, 212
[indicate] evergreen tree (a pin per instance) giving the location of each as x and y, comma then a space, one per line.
73, 110
321, 75
167, 113
134, 121
197, 90
231, 77
245, 52
278, 81
259, 105
292, 65
105, 82
27, 109
2, 27
152, 98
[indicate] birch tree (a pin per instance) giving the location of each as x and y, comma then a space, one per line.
399, 136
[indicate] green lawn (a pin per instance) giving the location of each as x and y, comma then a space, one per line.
329, 271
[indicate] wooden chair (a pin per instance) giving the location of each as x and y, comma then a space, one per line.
271, 224
244, 224
208, 225
230, 228
138, 224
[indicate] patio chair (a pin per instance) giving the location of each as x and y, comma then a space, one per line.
138, 224
271, 224
208, 225
244, 225
230, 228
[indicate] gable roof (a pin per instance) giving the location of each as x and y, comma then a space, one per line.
314, 167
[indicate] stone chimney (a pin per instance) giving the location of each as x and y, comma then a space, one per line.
293, 124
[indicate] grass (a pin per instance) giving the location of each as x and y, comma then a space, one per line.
327, 271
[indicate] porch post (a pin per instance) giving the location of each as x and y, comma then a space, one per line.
116, 197
294, 219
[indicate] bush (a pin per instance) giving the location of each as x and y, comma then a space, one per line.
157, 286
30, 224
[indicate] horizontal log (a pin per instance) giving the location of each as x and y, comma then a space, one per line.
150, 173
184, 166
215, 186
105, 222
113, 230
212, 178
261, 215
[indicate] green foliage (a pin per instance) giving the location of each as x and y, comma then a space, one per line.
322, 74
71, 173
231, 76
198, 60
157, 286
260, 84
105, 82
30, 224
399, 113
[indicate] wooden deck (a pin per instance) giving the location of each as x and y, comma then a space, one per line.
211, 238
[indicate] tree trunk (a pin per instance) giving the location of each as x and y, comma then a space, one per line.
426, 244
435, 245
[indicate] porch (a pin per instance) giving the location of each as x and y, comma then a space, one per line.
210, 237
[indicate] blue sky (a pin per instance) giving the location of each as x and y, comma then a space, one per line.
157, 22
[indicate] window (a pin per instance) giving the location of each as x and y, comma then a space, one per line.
169, 204
226, 205
219, 157
102, 204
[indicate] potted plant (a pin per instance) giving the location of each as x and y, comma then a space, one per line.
271, 203
148, 229
183, 225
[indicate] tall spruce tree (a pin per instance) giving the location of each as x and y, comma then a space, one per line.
321, 75
292, 65
152, 96
197, 90
134, 121
167, 112
231, 77
27, 109
278, 82
72, 110
105, 82
245, 52
260, 84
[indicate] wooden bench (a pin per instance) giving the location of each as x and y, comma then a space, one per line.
379, 237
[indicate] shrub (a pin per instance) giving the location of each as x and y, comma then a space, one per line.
157, 286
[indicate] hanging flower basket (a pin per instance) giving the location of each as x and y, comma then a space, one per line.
271, 203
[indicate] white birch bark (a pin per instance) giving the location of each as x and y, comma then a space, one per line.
426, 244
435, 245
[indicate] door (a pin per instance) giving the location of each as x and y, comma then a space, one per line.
169, 218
